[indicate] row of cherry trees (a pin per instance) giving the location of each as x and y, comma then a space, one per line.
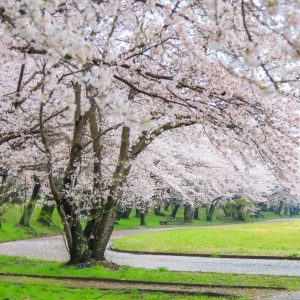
109, 101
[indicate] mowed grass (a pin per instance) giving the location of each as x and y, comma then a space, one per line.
10, 230
28, 288
274, 238
18, 265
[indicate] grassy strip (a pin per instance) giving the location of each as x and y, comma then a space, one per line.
275, 238
21, 289
10, 231
39, 267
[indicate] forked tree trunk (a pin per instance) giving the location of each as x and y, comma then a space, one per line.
102, 233
31, 204
103, 227
45, 216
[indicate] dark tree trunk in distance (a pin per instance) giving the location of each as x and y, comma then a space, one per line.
137, 213
278, 211
210, 213
157, 212
46, 213
167, 205
196, 214
142, 218
175, 210
123, 214
31, 204
188, 213
286, 210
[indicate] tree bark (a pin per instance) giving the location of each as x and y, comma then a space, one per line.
102, 231
79, 252
103, 227
31, 204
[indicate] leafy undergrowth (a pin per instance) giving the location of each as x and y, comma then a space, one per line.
19, 265
10, 231
274, 238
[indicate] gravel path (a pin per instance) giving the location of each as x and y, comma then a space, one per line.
53, 248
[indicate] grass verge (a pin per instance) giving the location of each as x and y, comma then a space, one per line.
19, 265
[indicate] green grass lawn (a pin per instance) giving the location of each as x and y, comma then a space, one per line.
18, 265
275, 238
12, 215
10, 231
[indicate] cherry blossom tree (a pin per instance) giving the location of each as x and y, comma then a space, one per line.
93, 83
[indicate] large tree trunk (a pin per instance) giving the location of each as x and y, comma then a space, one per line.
45, 216
102, 232
31, 204
79, 250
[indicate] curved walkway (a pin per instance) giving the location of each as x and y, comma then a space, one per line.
53, 248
